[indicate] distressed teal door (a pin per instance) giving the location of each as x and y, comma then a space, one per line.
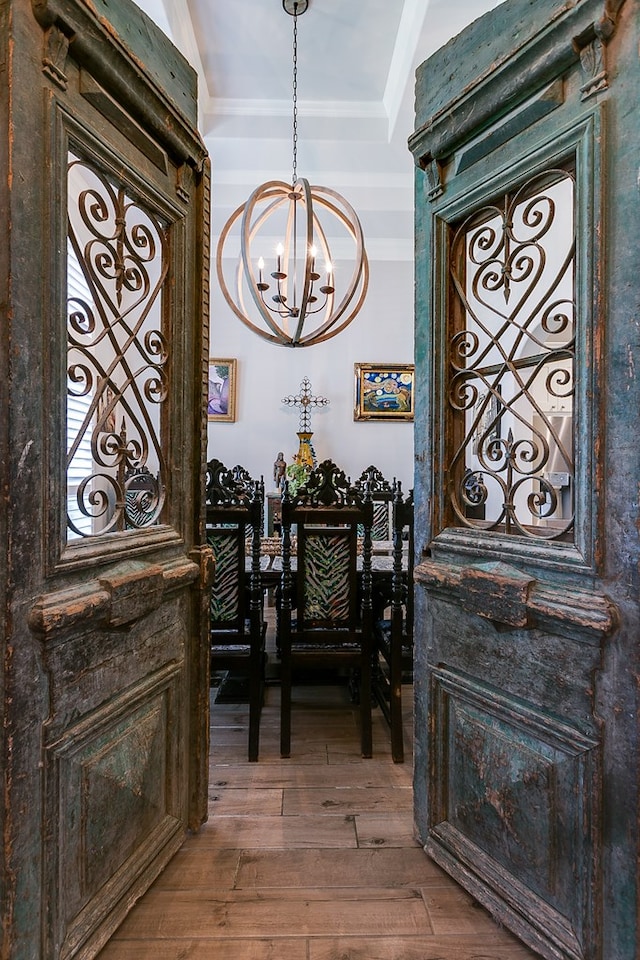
103, 206
527, 145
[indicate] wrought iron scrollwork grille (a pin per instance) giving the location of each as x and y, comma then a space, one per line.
512, 362
117, 356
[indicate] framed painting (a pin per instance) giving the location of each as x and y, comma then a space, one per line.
384, 391
221, 395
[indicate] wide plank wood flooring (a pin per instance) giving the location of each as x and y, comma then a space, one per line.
311, 858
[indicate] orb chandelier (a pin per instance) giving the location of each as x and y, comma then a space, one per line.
294, 296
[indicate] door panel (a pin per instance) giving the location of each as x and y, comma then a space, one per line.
106, 687
526, 582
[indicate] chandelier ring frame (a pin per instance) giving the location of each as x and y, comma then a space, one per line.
275, 193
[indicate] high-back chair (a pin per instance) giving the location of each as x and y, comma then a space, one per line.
380, 490
144, 497
242, 477
393, 637
331, 596
236, 626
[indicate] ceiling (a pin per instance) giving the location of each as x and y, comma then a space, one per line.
356, 63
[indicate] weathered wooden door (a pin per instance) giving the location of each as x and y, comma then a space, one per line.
103, 211
528, 290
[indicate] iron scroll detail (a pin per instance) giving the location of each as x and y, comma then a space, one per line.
511, 362
117, 356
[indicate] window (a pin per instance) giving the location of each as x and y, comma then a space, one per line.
117, 357
510, 386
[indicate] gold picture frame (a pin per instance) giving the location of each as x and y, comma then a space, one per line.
221, 393
384, 391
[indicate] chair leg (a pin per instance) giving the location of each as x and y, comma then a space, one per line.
395, 710
395, 690
256, 688
365, 708
285, 707
255, 709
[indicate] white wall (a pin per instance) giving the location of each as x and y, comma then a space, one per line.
381, 333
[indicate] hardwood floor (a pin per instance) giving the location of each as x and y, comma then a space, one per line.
311, 858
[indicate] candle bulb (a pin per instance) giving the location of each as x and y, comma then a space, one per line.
312, 252
279, 252
260, 268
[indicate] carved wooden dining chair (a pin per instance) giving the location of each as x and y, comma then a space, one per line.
393, 636
242, 476
237, 628
331, 597
144, 498
381, 491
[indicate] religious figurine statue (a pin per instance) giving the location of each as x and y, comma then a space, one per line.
280, 471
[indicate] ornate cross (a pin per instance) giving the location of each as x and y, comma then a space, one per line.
305, 400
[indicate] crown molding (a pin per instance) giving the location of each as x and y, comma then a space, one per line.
350, 109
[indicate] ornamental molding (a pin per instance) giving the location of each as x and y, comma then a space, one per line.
76, 28
577, 35
513, 599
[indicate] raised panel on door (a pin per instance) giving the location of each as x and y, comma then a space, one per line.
526, 581
106, 685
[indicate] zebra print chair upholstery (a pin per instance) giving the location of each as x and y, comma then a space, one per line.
143, 498
333, 625
381, 491
237, 630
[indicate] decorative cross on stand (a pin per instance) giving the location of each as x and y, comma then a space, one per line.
305, 401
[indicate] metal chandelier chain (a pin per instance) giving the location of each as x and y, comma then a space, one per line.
295, 95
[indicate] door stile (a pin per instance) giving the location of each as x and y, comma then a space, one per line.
202, 555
